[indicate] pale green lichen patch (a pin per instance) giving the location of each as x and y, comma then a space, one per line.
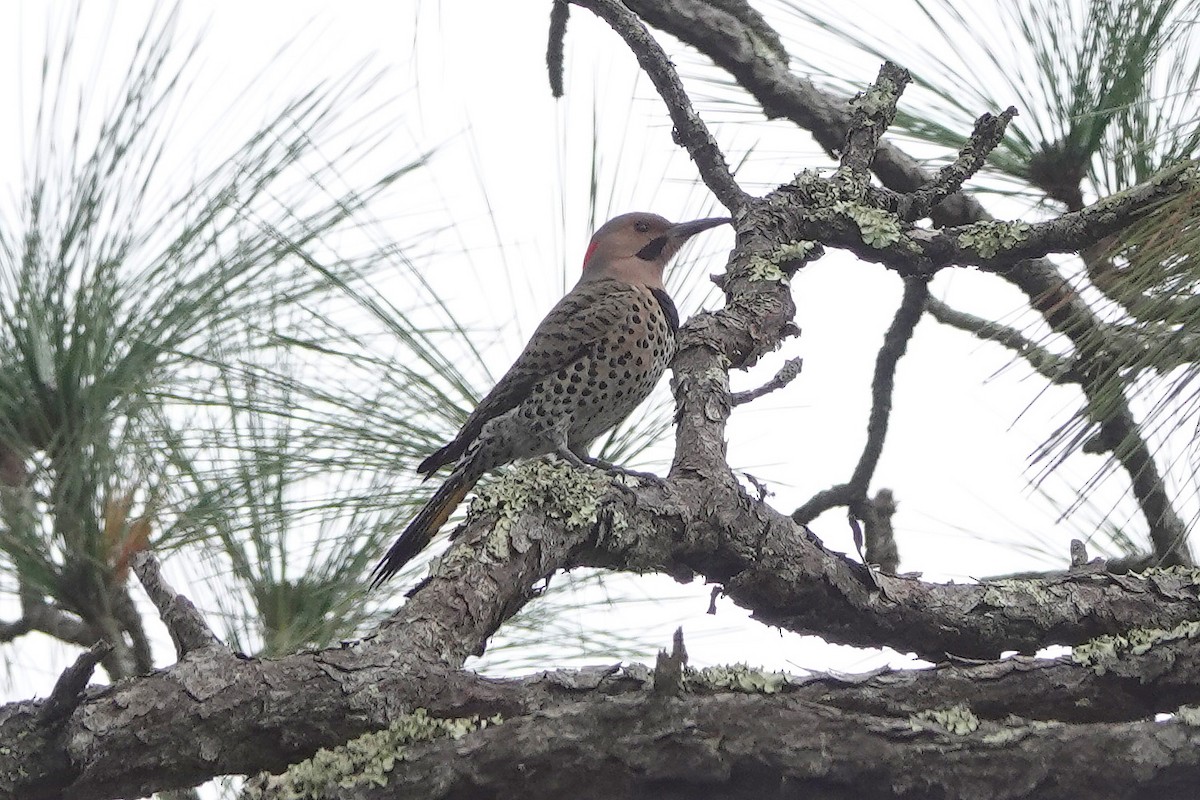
1188, 715
958, 719
564, 492
1103, 652
742, 678
879, 228
795, 250
879, 97
1005, 736
762, 268
368, 759
1180, 575
989, 238
1009, 592
811, 182
1015, 733
770, 267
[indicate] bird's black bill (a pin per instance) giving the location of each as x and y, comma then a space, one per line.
686, 230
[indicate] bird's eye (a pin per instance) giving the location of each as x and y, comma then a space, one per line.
641, 227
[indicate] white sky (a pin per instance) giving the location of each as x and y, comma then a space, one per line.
511, 175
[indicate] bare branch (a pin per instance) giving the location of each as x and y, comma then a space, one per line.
883, 384
689, 131
839, 494
68, 690
37, 615
989, 131
895, 343
184, 621
1118, 432
786, 374
560, 11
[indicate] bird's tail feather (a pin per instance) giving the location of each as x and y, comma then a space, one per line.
429, 520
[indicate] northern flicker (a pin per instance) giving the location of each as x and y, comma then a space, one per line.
591, 361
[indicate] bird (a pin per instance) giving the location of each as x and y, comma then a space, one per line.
593, 359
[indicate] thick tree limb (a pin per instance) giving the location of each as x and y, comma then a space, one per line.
735, 746
178, 726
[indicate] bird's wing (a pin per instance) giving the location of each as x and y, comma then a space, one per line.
569, 331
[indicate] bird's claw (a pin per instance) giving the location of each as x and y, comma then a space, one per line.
614, 469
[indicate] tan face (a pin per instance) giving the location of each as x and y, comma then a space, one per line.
624, 237
636, 247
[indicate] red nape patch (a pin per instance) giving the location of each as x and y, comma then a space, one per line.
588, 255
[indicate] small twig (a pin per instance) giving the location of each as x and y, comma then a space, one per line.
668, 669
712, 600
759, 486
559, 12
689, 131
68, 689
988, 133
895, 343
872, 114
1078, 553
878, 534
786, 374
14, 629
187, 627
822, 501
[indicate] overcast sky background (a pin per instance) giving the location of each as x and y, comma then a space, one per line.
508, 186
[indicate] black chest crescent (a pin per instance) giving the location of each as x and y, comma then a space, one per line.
668, 307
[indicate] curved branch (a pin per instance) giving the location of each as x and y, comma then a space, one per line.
895, 343
689, 130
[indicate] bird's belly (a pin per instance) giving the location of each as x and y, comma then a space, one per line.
582, 400
578, 403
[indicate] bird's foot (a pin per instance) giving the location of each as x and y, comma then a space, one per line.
584, 461
614, 469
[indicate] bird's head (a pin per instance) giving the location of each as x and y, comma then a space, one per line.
636, 247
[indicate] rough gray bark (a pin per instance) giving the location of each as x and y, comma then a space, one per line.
1012, 728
